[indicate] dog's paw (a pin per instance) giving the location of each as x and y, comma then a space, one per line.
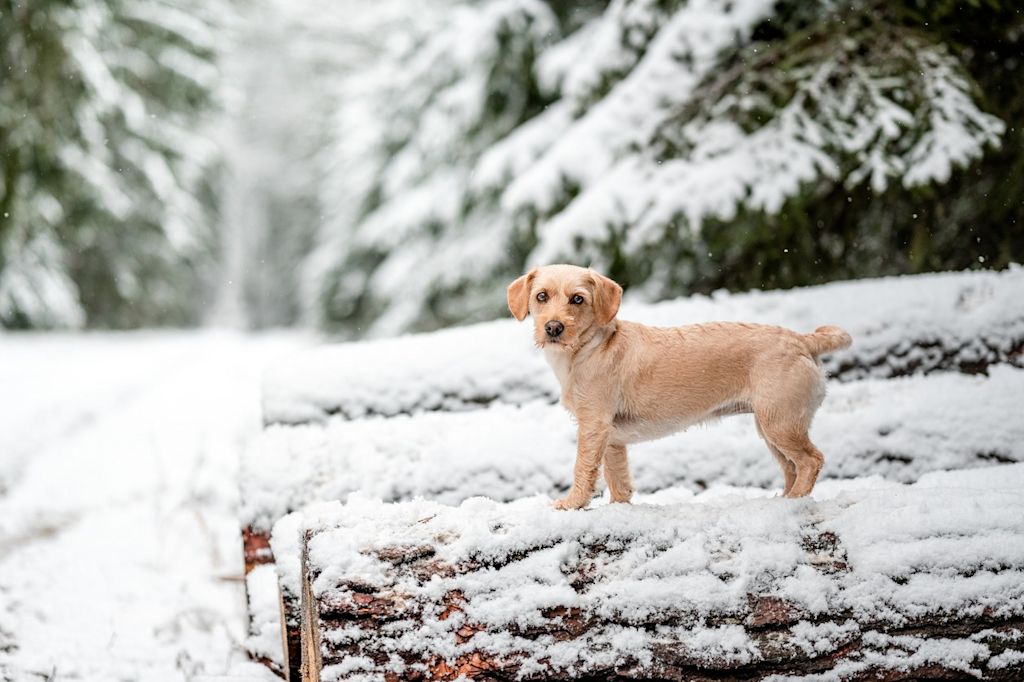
567, 503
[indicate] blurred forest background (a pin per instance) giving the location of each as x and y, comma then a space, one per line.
371, 167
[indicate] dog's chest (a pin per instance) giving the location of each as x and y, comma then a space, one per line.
559, 361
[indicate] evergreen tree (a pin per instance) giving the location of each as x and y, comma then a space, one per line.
685, 146
417, 226
107, 194
297, 126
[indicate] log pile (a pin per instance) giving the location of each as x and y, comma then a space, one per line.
326, 439
868, 427
726, 589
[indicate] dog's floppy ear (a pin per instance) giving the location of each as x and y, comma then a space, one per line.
519, 295
607, 298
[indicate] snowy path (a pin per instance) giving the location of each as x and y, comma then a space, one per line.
118, 536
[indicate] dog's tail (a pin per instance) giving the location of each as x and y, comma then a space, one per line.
827, 339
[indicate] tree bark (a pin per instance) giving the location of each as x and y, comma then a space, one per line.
362, 622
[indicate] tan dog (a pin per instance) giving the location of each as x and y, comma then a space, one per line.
626, 382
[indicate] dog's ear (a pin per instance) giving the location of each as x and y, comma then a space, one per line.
519, 295
607, 298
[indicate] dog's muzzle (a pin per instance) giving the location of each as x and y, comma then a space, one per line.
554, 329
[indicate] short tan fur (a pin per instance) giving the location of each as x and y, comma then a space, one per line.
627, 382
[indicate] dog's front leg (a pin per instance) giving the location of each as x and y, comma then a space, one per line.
591, 441
616, 473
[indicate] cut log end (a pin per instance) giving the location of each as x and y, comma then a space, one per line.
256, 548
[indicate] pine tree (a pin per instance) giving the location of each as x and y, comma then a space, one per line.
685, 146
419, 226
108, 185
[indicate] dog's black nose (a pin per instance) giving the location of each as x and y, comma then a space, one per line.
554, 328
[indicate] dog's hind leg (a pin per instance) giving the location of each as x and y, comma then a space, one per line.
798, 448
808, 468
616, 473
788, 468
784, 411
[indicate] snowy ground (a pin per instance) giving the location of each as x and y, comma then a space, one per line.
119, 548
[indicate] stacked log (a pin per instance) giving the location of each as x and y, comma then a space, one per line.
893, 428
320, 445
872, 585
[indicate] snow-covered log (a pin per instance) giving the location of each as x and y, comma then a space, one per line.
897, 428
904, 325
866, 581
900, 429
473, 415
267, 640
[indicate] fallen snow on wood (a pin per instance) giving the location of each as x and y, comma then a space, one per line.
898, 429
264, 640
900, 325
470, 409
675, 580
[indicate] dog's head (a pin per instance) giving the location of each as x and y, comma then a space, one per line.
566, 301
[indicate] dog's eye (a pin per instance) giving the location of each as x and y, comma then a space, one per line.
542, 296
576, 300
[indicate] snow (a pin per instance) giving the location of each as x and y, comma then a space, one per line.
451, 110
175, 20
510, 156
910, 551
119, 549
442, 418
955, 318
678, 57
807, 141
647, 122
264, 638
119, 508
445, 369
35, 285
899, 429
958, 130
286, 544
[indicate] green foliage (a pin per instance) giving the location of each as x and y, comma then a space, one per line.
687, 148
107, 189
973, 220
847, 226
451, 97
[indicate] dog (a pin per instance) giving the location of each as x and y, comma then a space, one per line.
626, 382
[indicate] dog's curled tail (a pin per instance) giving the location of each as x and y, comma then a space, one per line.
827, 339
